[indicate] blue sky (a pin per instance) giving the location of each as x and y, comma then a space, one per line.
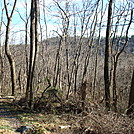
52, 16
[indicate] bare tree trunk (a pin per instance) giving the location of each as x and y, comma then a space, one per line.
56, 65
1, 60
26, 42
33, 49
26, 20
90, 42
114, 85
26, 53
65, 37
7, 49
131, 97
115, 62
36, 3
97, 50
83, 94
106, 63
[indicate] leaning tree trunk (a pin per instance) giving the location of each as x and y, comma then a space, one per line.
7, 49
115, 62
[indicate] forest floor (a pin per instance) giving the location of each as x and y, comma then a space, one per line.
93, 122
8, 119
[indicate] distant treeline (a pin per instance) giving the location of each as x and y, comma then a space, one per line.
116, 43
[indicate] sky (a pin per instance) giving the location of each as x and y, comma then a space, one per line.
53, 17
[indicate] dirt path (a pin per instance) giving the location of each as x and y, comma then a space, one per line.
8, 120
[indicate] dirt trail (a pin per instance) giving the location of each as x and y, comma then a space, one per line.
8, 119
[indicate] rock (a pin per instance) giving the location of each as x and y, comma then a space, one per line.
23, 129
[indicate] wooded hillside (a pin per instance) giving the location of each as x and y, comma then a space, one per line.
69, 57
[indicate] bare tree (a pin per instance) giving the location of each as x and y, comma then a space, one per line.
33, 49
7, 48
26, 21
106, 63
98, 46
117, 55
1, 60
